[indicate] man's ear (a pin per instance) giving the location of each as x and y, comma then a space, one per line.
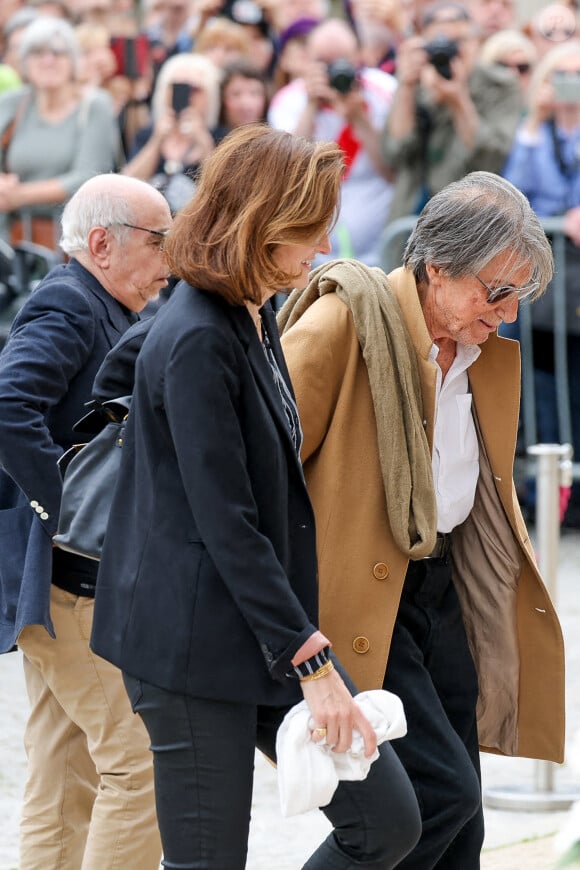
99, 244
433, 271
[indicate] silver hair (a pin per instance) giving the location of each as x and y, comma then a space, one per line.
471, 221
87, 209
52, 32
20, 19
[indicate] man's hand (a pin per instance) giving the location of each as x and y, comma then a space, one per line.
318, 90
450, 92
411, 61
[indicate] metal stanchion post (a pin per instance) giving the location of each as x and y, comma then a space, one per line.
554, 468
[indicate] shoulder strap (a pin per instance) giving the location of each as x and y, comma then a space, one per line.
8, 131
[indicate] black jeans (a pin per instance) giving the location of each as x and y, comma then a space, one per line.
431, 669
203, 754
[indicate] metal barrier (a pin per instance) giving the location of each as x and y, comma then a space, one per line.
22, 267
553, 470
393, 240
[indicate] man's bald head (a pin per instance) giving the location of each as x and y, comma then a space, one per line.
103, 201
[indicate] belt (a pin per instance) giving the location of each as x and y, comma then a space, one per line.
78, 587
442, 546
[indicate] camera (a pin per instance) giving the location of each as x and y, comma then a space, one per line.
566, 86
342, 75
440, 52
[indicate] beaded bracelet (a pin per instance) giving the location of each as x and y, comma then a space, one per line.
321, 672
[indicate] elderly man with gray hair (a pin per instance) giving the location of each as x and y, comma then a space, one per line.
428, 582
89, 798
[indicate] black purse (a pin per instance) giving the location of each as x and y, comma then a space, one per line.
90, 471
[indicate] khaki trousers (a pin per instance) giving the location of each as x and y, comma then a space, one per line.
89, 799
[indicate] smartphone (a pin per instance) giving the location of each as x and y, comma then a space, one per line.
132, 55
566, 86
180, 93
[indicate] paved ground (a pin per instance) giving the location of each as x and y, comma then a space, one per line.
514, 840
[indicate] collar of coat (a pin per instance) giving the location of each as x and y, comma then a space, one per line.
391, 362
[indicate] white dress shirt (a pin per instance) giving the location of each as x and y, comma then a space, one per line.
455, 446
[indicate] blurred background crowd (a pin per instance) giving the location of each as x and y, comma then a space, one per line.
417, 94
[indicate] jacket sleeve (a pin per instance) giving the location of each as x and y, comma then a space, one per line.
49, 344
204, 404
116, 375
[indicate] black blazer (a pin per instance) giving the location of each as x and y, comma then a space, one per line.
207, 584
47, 368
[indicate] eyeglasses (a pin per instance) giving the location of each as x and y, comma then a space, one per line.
160, 234
445, 13
52, 50
522, 68
500, 294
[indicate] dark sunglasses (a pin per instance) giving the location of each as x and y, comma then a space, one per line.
500, 294
522, 68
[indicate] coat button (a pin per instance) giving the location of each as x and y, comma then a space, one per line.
33, 503
39, 509
361, 644
381, 571
44, 515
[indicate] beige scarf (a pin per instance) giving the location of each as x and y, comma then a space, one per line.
391, 362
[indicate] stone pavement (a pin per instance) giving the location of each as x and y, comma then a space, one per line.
514, 840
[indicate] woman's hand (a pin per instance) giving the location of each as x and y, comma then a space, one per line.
333, 708
541, 108
197, 139
9, 183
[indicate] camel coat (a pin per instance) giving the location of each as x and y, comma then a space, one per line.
512, 627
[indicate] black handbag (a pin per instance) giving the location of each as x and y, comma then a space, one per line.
90, 471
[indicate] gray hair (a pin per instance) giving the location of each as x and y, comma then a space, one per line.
20, 19
103, 201
471, 221
52, 32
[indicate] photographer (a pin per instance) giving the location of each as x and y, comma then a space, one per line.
340, 100
544, 164
450, 115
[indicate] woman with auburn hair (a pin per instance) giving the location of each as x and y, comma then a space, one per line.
207, 592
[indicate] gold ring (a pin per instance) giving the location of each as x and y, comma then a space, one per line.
321, 731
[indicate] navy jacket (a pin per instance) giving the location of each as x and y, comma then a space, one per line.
207, 584
47, 367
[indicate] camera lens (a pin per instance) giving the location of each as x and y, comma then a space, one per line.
341, 76
440, 53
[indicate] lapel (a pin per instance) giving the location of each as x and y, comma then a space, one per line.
113, 316
495, 383
260, 366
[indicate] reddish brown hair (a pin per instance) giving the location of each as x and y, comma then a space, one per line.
260, 188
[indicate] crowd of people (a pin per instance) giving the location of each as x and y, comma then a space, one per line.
310, 507
416, 95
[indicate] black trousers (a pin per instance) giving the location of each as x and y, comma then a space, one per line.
203, 754
430, 667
